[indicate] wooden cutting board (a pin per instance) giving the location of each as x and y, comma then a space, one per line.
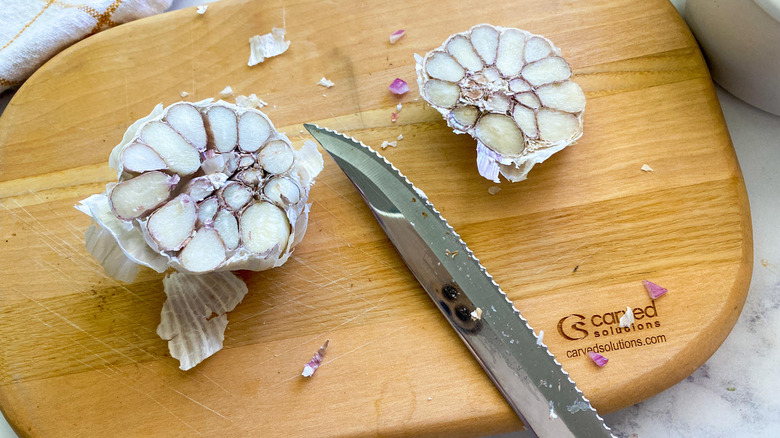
570, 246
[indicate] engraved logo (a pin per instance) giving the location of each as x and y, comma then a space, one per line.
575, 326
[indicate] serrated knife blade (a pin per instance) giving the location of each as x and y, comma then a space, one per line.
525, 372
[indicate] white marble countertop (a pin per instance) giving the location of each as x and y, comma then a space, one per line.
736, 393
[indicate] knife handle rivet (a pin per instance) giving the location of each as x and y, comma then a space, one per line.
449, 292
463, 313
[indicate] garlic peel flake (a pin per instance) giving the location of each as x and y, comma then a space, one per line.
325, 82
187, 318
266, 46
510, 90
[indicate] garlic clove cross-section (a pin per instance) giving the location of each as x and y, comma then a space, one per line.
204, 188
510, 90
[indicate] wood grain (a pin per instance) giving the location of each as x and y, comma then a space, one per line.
80, 355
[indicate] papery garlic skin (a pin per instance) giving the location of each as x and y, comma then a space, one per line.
510, 90
190, 213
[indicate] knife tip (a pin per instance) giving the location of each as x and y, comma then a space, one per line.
312, 128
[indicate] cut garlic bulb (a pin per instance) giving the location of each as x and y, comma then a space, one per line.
507, 88
202, 187
205, 206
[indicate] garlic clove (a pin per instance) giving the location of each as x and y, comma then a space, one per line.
500, 133
460, 47
264, 227
222, 128
463, 117
555, 126
444, 67
207, 210
282, 191
518, 85
485, 40
497, 103
492, 77
213, 162
235, 195
547, 70
138, 157
246, 160
276, 157
565, 96
187, 121
526, 120
138, 196
528, 99
204, 252
231, 162
537, 48
509, 59
172, 224
250, 177
253, 131
227, 226
203, 186
180, 156
440, 93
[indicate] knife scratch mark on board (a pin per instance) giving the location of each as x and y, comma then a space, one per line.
46, 266
45, 236
198, 403
544, 268
114, 374
147, 395
74, 325
342, 196
79, 234
37, 227
335, 216
202, 373
332, 282
267, 310
325, 333
165, 363
117, 351
55, 245
386, 335
589, 256
127, 97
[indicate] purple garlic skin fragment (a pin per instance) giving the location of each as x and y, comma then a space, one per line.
510, 90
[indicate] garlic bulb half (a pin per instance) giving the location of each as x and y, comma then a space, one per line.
510, 90
205, 187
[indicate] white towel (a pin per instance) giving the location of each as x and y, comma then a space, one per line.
32, 31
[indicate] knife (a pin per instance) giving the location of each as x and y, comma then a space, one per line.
519, 364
